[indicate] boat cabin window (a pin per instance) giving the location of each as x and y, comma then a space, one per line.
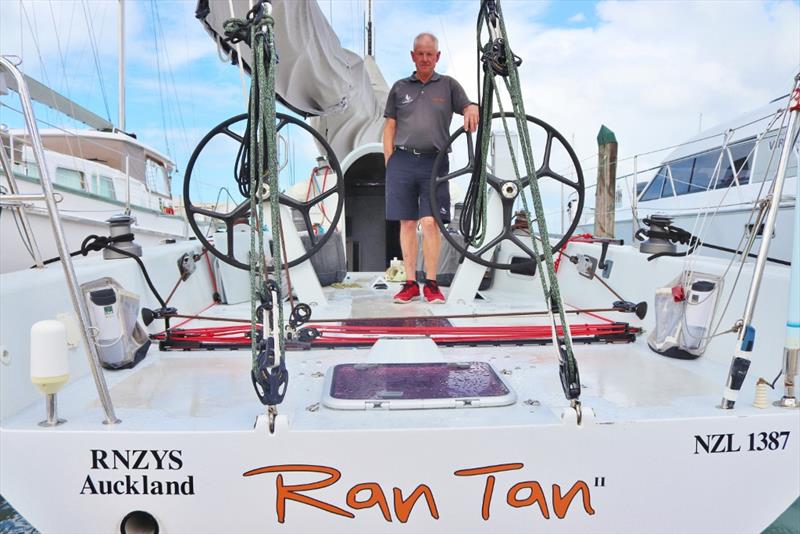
70, 178
656, 184
704, 166
26, 168
104, 186
741, 165
681, 176
157, 179
697, 173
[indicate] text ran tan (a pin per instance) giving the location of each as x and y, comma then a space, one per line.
370, 494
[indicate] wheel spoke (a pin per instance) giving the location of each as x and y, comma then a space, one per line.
490, 244
455, 174
322, 196
548, 147
559, 178
312, 238
240, 211
286, 200
230, 133
525, 248
209, 213
495, 182
229, 236
524, 181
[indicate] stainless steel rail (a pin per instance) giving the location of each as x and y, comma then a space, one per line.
8, 169
58, 233
746, 340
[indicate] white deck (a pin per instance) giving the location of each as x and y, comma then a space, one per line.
211, 390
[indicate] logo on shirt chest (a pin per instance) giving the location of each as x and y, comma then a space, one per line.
437, 100
406, 100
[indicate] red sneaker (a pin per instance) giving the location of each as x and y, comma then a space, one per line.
432, 292
409, 292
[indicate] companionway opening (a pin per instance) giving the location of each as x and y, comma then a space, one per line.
372, 241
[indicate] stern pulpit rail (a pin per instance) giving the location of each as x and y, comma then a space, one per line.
58, 234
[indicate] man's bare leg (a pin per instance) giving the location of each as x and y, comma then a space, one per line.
409, 246
431, 244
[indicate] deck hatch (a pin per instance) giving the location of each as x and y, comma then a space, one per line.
404, 386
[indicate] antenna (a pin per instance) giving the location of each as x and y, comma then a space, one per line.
370, 49
121, 75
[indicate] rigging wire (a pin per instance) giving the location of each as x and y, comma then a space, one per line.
96, 58
64, 72
33, 33
160, 83
190, 87
159, 30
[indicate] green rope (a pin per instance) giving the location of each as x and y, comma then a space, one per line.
550, 284
263, 132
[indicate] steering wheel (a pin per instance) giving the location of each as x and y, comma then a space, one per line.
508, 190
241, 213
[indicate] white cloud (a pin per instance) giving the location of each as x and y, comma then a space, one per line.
576, 18
648, 69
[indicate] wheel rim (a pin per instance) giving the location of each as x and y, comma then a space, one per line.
502, 187
241, 213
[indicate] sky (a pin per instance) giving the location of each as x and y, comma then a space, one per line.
655, 73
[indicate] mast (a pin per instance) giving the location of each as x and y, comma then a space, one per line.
121, 77
370, 50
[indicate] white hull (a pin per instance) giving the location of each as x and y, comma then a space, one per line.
82, 215
635, 477
640, 450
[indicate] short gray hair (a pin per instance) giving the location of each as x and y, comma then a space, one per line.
424, 35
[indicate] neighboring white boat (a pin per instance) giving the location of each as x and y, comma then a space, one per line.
690, 187
99, 172
97, 175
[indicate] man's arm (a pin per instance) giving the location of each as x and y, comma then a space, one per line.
471, 117
389, 129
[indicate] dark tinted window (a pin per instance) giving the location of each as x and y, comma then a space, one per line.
640, 187
742, 164
654, 190
704, 171
681, 176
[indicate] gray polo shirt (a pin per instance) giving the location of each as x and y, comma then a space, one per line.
423, 111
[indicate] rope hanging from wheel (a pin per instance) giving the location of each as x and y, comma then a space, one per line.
257, 160
499, 61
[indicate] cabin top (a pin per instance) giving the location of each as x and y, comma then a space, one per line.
112, 149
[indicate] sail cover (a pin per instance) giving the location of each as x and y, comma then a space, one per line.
343, 94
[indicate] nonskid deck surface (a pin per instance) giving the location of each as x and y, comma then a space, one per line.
212, 390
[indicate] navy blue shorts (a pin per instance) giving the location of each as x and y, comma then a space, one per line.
408, 186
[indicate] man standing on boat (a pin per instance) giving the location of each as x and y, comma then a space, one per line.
418, 114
